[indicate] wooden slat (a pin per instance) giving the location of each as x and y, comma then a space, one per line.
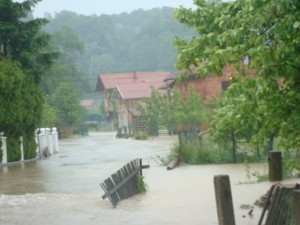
123, 183
113, 188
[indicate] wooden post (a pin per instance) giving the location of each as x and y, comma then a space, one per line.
297, 206
224, 200
275, 166
141, 167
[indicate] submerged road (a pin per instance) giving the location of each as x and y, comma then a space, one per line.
64, 189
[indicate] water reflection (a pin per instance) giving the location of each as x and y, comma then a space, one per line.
21, 179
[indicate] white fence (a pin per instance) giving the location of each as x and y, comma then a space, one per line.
45, 138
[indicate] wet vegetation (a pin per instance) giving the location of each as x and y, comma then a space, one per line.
43, 76
260, 107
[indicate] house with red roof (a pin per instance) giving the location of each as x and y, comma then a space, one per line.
207, 86
123, 92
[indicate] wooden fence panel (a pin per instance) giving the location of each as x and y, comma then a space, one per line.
123, 183
279, 207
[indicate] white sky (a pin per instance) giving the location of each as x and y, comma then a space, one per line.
98, 7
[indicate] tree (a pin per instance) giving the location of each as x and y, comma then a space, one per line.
24, 54
65, 68
20, 108
171, 110
22, 39
67, 106
265, 32
239, 114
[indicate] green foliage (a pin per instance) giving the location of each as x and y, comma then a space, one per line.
29, 146
137, 41
22, 40
67, 106
171, 110
151, 113
49, 117
141, 185
24, 55
1, 153
20, 111
141, 135
189, 112
13, 148
164, 161
197, 154
267, 34
65, 68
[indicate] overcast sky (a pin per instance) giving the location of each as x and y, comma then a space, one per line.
98, 7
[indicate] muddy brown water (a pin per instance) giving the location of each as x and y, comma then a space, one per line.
64, 189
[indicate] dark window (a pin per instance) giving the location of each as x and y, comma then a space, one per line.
225, 85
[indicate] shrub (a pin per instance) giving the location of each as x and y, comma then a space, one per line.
141, 185
164, 161
141, 135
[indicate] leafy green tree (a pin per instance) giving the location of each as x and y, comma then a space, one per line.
152, 112
137, 41
189, 112
265, 32
22, 39
65, 67
235, 117
48, 116
24, 54
67, 106
170, 109
20, 111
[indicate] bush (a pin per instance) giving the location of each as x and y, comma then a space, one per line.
13, 149
141, 185
141, 135
164, 161
197, 154
29, 148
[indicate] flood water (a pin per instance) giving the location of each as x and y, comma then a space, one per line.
64, 189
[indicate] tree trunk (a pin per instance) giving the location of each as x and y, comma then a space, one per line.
257, 150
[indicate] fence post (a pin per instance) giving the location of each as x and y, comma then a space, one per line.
21, 148
49, 140
42, 141
297, 206
224, 200
36, 142
275, 166
55, 140
4, 148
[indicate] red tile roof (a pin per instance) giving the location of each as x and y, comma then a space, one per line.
137, 90
109, 81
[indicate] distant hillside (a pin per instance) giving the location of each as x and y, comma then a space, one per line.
139, 41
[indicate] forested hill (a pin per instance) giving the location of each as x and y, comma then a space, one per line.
139, 41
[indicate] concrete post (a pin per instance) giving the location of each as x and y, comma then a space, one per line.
22, 148
224, 200
55, 140
49, 140
36, 142
297, 206
4, 149
42, 141
275, 166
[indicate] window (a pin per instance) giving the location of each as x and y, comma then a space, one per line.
225, 85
